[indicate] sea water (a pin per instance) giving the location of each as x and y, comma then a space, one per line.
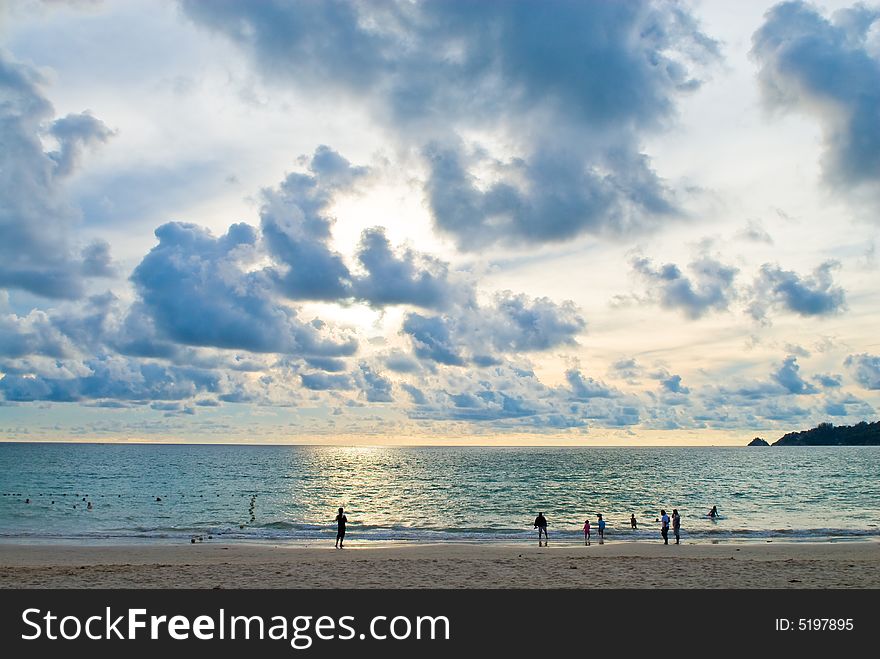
433, 494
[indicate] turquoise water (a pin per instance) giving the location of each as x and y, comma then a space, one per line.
433, 494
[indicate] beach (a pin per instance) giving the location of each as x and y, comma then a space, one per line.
212, 564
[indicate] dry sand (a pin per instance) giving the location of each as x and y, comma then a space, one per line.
214, 564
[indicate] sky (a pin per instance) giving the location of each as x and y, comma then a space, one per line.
402, 222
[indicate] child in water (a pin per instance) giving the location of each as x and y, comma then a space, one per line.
601, 530
587, 532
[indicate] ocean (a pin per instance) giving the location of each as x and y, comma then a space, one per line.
432, 494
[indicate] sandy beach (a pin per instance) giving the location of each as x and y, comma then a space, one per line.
613, 565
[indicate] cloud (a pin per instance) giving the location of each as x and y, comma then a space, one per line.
431, 73
480, 334
329, 364
627, 369
33, 334
586, 388
326, 381
552, 197
755, 232
416, 394
828, 381
827, 69
401, 362
297, 232
38, 253
113, 378
375, 387
432, 339
405, 278
196, 291
814, 295
672, 384
710, 288
503, 396
789, 377
865, 369
75, 132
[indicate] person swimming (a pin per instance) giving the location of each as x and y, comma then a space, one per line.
713, 513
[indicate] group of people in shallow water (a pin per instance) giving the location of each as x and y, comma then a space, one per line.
665, 522
541, 525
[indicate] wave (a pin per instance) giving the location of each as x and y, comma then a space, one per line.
282, 530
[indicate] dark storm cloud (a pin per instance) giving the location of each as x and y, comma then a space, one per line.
709, 288
865, 369
37, 251
195, 290
814, 295
829, 69
432, 71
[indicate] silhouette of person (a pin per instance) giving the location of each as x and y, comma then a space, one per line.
633, 522
541, 525
664, 526
341, 519
676, 524
601, 530
714, 512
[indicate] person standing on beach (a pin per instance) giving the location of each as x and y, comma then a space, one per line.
541, 525
676, 524
633, 523
341, 519
664, 526
587, 532
601, 530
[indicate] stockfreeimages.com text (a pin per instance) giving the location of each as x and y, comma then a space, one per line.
301, 631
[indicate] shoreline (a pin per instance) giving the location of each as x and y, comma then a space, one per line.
354, 542
447, 565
